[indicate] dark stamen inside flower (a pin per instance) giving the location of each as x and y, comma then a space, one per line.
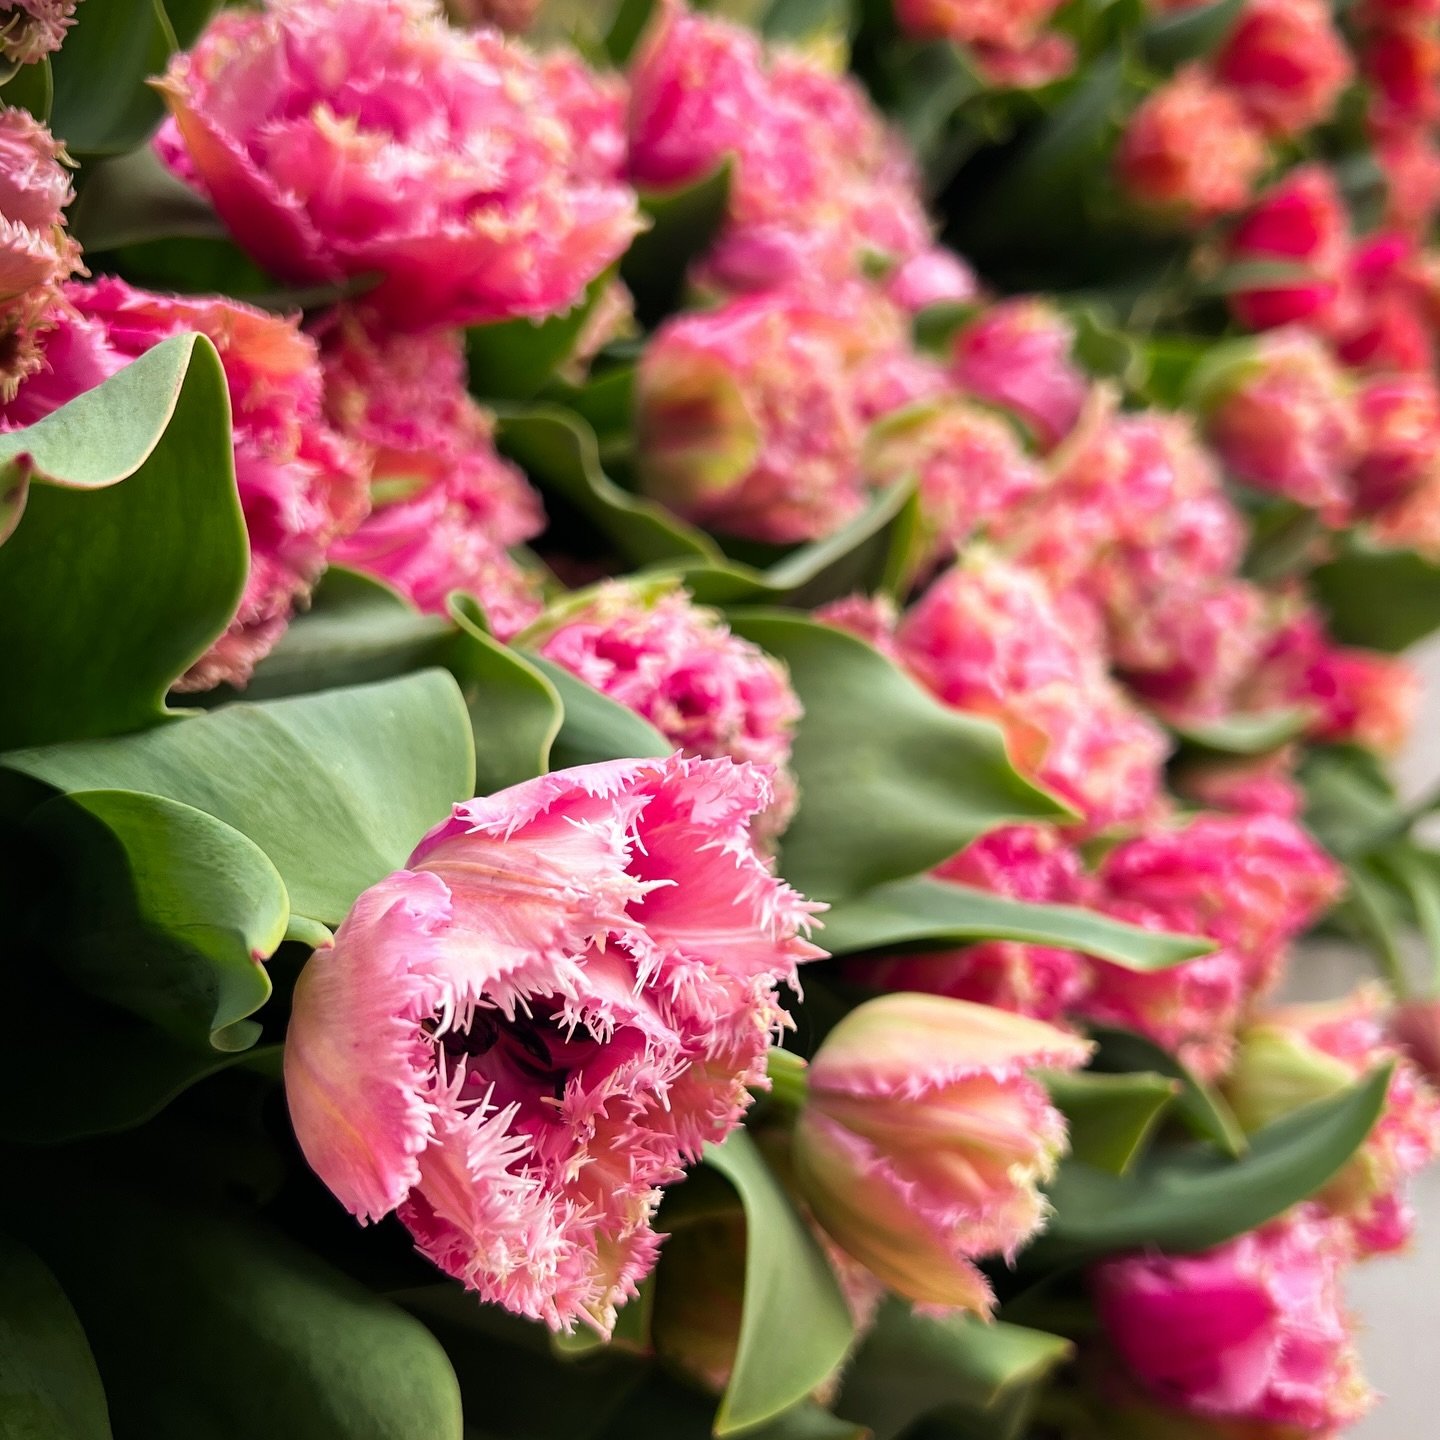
521, 1058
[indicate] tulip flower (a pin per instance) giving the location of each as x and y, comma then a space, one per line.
34, 28
518, 1039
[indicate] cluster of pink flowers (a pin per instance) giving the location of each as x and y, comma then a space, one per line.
1006, 40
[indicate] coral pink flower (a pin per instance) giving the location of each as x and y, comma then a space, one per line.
445, 505
1189, 151
529, 1030
1287, 63
1017, 356
871, 618
1415, 1028
36, 255
30, 29
1253, 1330
1303, 1053
969, 465
1025, 862
1008, 24
301, 487
988, 638
1248, 785
1282, 417
341, 139
1400, 442
1410, 161
1043, 60
1402, 64
932, 277
1302, 222
708, 692
746, 417
923, 1140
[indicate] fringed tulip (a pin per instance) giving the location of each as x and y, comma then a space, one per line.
302, 487
1253, 1330
1415, 1028
30, 29
1303, 1053
516, 1041
367, 139
1189, 152
1006, 23
923, 1140
445, 505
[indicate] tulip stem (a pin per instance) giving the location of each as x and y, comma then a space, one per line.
787, 1079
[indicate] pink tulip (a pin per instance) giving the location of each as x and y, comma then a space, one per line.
708, 692
1190, 152
1282, 417
1415, 1028
349, 139
1262, 785
36, 254
923, 1140
1302, 1053
445, 505
33, 28
1384, 325
1005, 23
1253, 1330
516, 1041
1399, 445
1402, 65
301, 486
1017, 355
1287, 63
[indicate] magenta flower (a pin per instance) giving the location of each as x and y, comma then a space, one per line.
1253, 1330
1248, 785
1282, 417
1397, 478
36, 254
1025, 862
923, 1140
445, 505
301, 486
1017, 356
675, 663
342, 139
988, 638
1301, 1053
30, 29
516, 1041
747, 416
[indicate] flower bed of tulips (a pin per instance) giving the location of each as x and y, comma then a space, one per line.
676, 683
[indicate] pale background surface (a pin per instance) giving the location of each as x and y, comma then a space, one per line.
1398, 1300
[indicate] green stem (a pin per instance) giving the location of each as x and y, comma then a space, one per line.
788, 1086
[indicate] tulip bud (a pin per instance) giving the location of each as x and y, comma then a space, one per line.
923, 1140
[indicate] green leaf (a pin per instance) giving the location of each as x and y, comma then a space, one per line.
891, 781
102, 103
795, 1327
911, 1365
799, 21
939, 913
683, 222
1198, 1106
1171, 40
204, 1324
629, 24
1192, 1197
134, 199
335, 788
595, 727
1241, 734
32, 88
558, 450
1111, 1117
512, 359
1348, 585
129, 555
49, 1387
1350, 803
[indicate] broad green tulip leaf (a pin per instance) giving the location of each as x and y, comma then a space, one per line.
32, 88
335, 788
891, 781
103, 105
1350, 803
631, 18
1193, 1197
164, 911
911, 1365
207, 1324
559, 452
1111, 1117
49, 1387
683, 222
1192, 34
595, 727
1240, 734
133, 199
1348, 585
1198, 1105
795, 1327
128, 553
921, 911
807, 1421
512, 359
799, 21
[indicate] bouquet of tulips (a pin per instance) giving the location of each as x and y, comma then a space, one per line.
676, 682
